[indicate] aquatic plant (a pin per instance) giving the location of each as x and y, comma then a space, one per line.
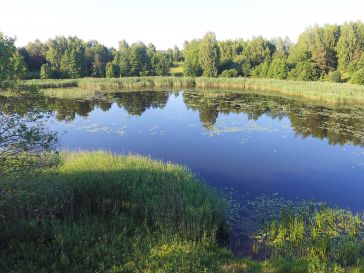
331, 235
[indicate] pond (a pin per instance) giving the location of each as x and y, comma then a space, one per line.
250, 146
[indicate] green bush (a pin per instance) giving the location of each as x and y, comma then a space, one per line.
230, 73
358, 77
334, 76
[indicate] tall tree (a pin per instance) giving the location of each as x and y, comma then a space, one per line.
192, 65
350, 47
209, 55
12, 68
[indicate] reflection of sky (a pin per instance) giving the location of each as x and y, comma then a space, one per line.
261, 156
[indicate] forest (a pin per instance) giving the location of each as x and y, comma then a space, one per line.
327, 53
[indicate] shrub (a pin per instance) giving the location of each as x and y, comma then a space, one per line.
229, 73
334, 76
358, 77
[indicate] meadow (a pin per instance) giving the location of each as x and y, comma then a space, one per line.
319, 92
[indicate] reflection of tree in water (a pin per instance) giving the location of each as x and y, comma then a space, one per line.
22, 105
338, 125
136, 103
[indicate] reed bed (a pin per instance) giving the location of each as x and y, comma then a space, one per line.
322, 92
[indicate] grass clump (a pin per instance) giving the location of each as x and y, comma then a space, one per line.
103, 213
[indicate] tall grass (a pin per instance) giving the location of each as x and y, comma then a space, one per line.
99, 184
326, 92
97, 210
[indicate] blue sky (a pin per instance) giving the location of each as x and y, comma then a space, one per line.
168, 23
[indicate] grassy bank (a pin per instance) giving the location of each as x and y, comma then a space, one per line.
325, 92
102, 213
98, 212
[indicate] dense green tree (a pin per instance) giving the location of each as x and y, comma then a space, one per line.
192, 65
334, 76
55, 52
358, 77
71, 65
177, 55
209, 55
257, 51
139, 60
262, 70
112, 70
350, 47
278, 68
317, 45
46, 71
305, 71
12, 67
122, 58
35, 55
19, 70
230, 73
160, 64
328, 52
96, 58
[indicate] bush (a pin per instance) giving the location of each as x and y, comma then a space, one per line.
358, 77
112, 70
46, 71
304, 71
334, 76
230, 73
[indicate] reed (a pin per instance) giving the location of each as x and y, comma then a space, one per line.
323, 92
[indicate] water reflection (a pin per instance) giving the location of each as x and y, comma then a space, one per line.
337, 125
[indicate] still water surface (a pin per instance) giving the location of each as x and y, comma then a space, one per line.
242, 143
250, 144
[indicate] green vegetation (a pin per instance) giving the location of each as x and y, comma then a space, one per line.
326, 53
329, 240
176, 70
12, 67
330, 93
102, 213
97, 212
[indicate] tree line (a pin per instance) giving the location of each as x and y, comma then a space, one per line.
73, 58
329, 52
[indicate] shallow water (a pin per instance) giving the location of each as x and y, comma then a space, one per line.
248, 145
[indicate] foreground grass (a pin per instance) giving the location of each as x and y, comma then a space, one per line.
324, 92
97, 212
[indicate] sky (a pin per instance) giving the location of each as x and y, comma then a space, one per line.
167, 23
